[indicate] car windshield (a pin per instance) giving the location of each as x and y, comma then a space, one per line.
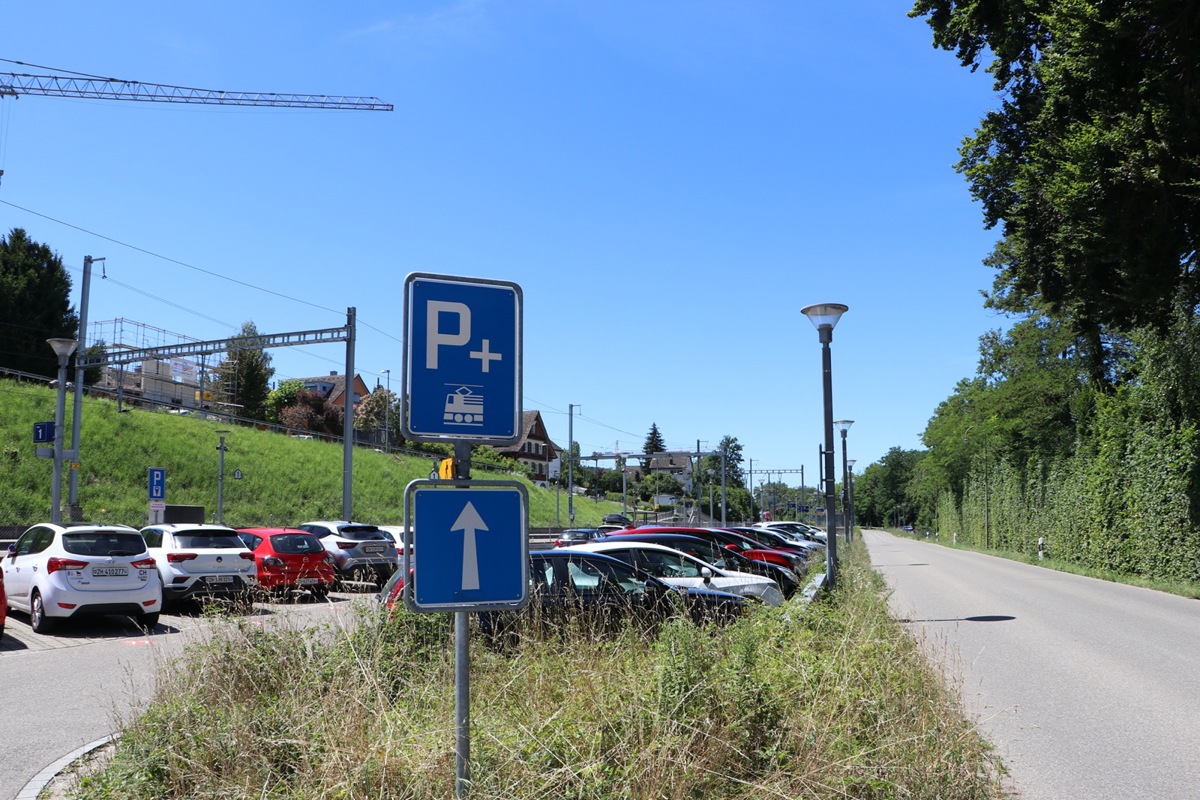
104, 543
666, 564
200, 540
297, 543
589, 575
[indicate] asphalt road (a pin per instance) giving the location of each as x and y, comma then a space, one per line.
76, 685
1088, 689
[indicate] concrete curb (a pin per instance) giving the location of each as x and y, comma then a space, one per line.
31, 790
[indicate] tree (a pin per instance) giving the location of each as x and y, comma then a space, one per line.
659, 483
654, 444
734, 476
312, 412
35, 304
246, 373
379, 409
1091, 163
282, 397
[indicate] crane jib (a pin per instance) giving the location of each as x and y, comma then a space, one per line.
112, 89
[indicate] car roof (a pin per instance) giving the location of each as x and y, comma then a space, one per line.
617, 543
271, 531
640, 536
207, 527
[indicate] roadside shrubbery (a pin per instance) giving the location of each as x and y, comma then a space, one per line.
831, 700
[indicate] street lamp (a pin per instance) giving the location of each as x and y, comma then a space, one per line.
387, 408
63, 349
824, 316
843, 425
850, 497
221, 479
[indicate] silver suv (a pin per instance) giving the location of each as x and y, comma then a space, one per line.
360, 552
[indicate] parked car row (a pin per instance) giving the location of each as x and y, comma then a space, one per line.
596, 592
61, 571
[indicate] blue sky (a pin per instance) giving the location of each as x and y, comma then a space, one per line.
668, 182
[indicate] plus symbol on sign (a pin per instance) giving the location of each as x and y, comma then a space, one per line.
485, 356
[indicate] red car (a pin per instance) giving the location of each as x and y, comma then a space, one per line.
793, 559
289, 558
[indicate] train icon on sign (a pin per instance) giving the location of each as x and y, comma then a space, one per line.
464, 408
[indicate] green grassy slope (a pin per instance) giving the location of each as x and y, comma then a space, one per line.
286, 481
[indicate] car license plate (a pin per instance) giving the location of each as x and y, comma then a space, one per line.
306, 581
110, 572
373, 548
220, 579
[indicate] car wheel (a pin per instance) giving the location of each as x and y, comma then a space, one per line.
37, 614
148, 621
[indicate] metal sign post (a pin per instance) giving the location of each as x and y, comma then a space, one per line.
462, 384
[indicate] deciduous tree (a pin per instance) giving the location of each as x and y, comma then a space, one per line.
1091, 164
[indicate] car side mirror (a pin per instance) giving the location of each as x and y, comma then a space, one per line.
732, 547
706, 573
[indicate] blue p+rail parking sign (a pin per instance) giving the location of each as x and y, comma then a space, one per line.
462, 360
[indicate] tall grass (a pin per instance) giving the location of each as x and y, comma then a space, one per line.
831, 700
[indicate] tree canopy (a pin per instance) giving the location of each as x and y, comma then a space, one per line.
1091, 165
35, 304
246, 373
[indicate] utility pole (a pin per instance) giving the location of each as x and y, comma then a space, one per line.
77, 411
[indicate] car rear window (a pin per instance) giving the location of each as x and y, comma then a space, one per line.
361, 533
104, 543
297, 543
200, 540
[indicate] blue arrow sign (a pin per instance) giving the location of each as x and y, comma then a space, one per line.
156, 483
462, 360
471, 548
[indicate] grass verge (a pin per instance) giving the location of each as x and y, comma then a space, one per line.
830, 700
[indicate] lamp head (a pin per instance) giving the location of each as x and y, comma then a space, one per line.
843, 425
824, 315
63, 347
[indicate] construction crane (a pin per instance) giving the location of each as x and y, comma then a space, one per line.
96, 88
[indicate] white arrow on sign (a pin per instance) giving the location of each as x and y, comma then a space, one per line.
468, 522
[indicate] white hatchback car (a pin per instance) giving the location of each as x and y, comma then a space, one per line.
59, 571
685, 571
201, 562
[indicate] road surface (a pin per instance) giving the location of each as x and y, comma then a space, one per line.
1090, 690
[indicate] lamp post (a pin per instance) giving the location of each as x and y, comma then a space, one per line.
387, 414
63, 349
824, 316
850, 497
843, 425
221, 479
571, 463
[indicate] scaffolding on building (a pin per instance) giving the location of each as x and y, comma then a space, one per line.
176, 382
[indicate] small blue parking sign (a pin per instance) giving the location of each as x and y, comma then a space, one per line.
156, 483
462, 359
470, 547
